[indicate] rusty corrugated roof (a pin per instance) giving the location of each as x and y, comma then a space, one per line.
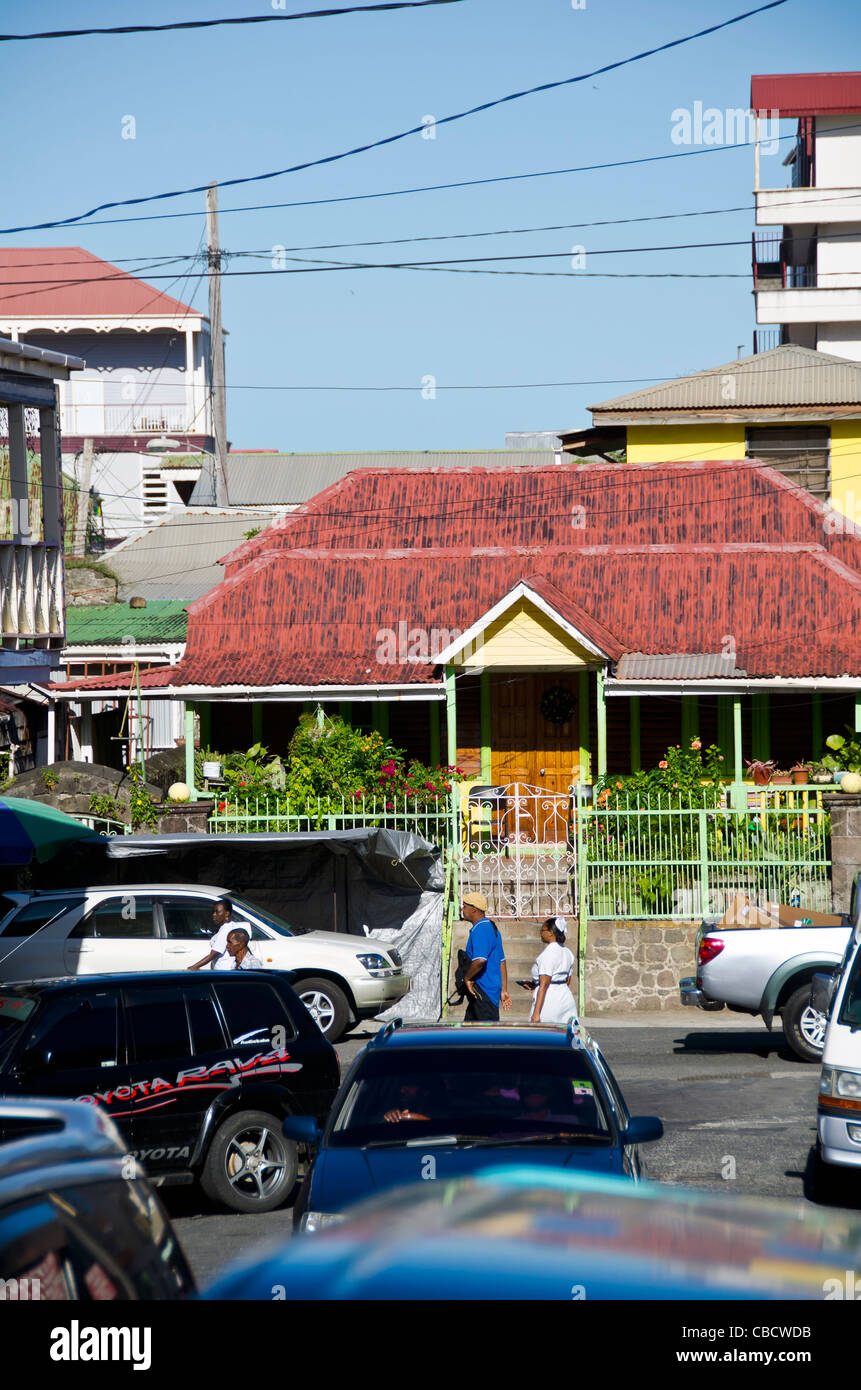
654, 559
788, 376
567, 505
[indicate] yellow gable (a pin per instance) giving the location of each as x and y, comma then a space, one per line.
524, 638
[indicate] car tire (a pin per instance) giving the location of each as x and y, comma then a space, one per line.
230, 1176
803, 1026
327, 1005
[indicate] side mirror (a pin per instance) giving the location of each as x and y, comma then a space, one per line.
822, 988
642, 1129
302, 1129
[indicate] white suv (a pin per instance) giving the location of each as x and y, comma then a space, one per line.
93, 931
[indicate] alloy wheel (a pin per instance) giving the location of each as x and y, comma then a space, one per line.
255, 1161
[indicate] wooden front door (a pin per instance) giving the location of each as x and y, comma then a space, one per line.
527, 747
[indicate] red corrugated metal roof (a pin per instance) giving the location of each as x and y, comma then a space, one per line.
561, 505
66, 281
650, 558
807, 93
335, 618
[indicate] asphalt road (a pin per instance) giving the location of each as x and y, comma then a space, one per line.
739, 1113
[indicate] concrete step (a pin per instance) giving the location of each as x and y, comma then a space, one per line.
522, 944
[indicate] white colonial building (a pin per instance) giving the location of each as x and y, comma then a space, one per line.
147, 375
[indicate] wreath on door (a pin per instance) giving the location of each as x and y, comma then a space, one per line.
558, 704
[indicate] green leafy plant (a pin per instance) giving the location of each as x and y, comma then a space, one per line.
107, 807
845, 753
142, 808
49, 779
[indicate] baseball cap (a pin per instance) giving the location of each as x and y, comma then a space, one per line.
475, 900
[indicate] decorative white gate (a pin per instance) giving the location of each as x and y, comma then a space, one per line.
518, 846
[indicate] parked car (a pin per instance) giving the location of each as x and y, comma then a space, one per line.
442, 1100
839, 1109
73, 1223
198, 1071
156, 926
767, 971
546, 1234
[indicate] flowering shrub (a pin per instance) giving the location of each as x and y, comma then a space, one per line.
330, 764
684, 777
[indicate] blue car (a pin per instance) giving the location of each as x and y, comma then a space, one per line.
541, 1233
439, 1101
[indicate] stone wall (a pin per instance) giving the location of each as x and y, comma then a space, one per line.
85, 586
637, 965
845, 810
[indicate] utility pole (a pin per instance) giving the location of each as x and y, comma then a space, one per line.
217, 393
79, 545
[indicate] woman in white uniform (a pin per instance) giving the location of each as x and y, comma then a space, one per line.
552, 1000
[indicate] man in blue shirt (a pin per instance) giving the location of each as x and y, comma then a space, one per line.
487, 977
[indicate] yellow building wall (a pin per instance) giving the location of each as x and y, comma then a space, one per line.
683, 443
846, 468
525, 637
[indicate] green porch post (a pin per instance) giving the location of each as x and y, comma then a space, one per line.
602, 724
205, 712
451, 751
486, 756
434, 734
858, 714
634, 718
760, 725
189, 750
739, 793
585, 738
256, 723
816, 732
690, 719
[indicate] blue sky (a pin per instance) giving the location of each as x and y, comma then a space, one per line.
220, 103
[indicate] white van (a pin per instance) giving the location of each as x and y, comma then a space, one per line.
839, 1114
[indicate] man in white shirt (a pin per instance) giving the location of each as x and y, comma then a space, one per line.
237, 956
224, 923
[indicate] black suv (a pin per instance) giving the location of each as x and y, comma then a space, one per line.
198, 1072
73, 1223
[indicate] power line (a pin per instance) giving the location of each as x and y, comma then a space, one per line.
217, 23
404, 134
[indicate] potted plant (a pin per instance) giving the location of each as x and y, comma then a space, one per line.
820, 774
761, 772
800, 773
781, 779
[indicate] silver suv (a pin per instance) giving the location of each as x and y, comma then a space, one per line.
93, 931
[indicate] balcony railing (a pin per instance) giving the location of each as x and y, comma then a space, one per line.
764, 339
151, 417
773, 268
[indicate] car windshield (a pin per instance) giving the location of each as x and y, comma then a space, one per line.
850, 1009
269, 919
482, 1095
15, 1009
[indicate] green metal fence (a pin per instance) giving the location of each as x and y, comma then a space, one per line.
643, 859
332, 813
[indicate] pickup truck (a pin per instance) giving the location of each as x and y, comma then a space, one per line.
769, 971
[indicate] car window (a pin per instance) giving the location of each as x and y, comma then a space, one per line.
34, 915
241, 906
613, 1088
188, 919
158, 1023
496, 1093
207, 1034
253, 1010
128, 917
75, 1033
850, 1008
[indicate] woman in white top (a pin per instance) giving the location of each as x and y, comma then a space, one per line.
552, 1000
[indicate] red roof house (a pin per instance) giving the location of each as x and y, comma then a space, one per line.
652, 602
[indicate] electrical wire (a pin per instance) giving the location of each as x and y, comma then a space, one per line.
218, 23
403, 134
